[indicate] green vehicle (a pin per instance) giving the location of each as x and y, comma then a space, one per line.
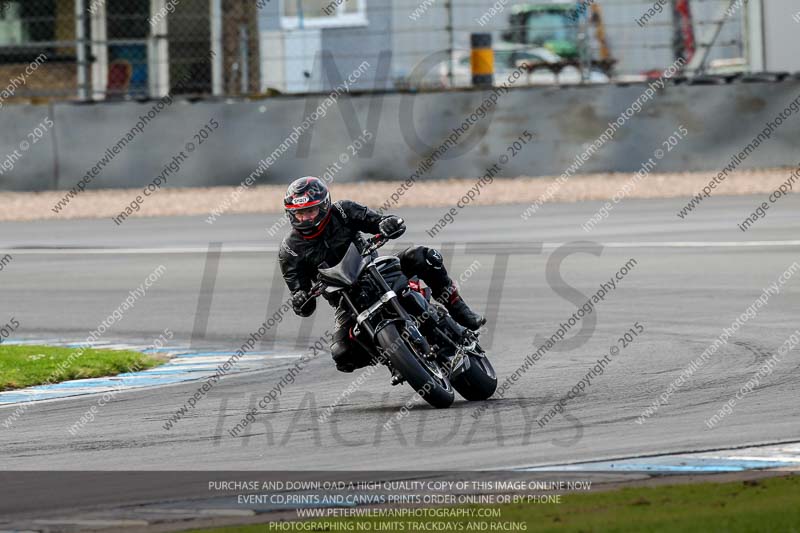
551, 26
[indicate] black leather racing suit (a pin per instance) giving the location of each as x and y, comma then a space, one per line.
299, 258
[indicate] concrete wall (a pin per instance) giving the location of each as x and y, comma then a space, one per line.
721, 121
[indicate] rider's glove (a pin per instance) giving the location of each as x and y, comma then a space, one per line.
392, 227
298, 299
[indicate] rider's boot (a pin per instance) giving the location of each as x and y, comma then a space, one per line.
459, 309
429, 265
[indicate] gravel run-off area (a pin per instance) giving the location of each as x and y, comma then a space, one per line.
18, 206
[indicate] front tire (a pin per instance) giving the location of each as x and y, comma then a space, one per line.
424, 376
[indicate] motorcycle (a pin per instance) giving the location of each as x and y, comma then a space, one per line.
398, 325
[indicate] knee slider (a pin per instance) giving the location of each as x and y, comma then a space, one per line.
421, 257
433, 258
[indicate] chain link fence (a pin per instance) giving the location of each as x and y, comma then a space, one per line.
128, 49
115, 49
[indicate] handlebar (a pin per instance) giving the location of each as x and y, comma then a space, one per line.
315, 291
373, 243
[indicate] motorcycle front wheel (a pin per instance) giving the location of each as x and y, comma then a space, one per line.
423, 375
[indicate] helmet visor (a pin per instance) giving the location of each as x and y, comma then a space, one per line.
307, 214
306, 218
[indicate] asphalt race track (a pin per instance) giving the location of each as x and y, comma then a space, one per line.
691, 279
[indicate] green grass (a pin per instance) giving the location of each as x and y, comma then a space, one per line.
769, 505
25, 366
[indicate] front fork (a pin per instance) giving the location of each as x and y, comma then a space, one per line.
434, 323
403, 319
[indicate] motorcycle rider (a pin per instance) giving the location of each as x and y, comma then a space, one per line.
321, 233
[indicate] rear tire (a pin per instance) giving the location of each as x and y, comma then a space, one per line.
479, 382
432, 385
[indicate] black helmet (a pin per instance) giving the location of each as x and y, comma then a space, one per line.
308, 193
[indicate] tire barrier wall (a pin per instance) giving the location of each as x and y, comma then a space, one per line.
404, 129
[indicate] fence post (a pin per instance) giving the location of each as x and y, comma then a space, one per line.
244, 59
217, 63
80, 51
450, 43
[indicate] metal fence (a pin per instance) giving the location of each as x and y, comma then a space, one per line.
110, 49
123, 49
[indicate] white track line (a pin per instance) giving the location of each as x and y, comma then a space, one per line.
499, 245
767, 451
